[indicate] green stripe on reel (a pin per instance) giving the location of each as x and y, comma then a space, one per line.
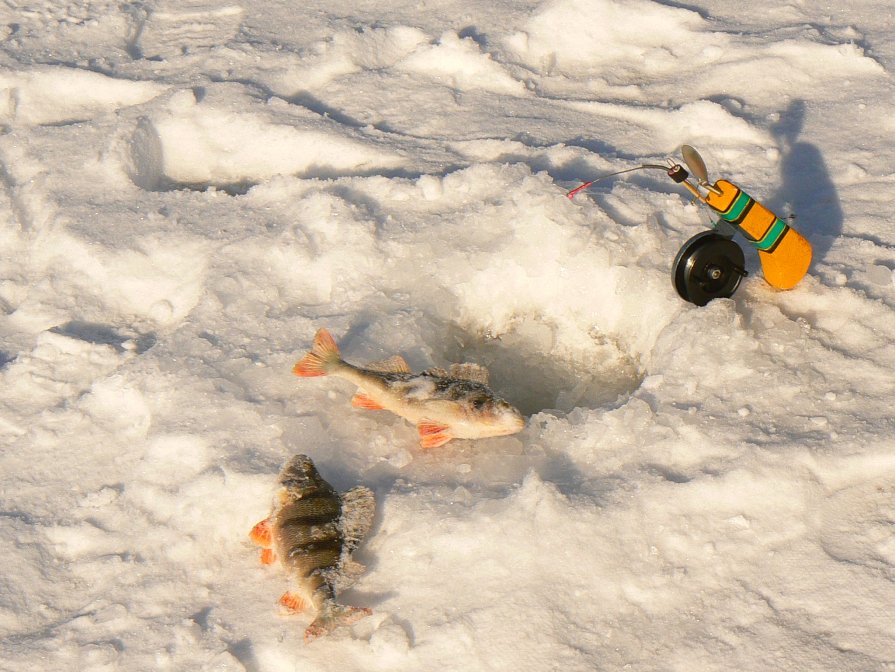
736, 209
772, 237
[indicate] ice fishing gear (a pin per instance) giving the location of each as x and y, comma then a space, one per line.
711, 264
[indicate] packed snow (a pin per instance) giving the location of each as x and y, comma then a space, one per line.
190, 189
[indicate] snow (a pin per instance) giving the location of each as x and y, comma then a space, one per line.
188, 190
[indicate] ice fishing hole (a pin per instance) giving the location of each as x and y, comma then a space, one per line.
536, 372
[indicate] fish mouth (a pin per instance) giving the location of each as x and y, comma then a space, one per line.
517, 425
509, 423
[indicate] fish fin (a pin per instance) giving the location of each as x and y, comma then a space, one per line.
361, 400
261, 534
395, 364
349, 573
333, 616
437, 371
433, 434
293, 602
358, 510
268, 557
469, 371
321, 359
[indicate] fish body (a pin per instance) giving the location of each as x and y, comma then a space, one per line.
444, 405
312, 531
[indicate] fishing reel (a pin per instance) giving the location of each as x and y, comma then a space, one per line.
711, 264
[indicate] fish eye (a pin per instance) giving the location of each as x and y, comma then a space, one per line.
478, 404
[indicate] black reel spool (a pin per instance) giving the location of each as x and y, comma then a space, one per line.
708, 266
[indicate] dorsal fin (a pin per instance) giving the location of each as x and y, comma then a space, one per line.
474, 372
394, 364
358, 511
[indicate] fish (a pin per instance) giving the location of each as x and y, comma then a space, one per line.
312, 530
443, 404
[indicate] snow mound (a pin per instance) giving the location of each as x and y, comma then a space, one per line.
55, 95
602, 48
459, 63
197, 144
596, 33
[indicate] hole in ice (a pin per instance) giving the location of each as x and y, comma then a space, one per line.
534, 372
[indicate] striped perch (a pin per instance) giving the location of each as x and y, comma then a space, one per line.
313, 531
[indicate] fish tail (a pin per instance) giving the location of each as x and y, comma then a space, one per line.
324, 356
333, 616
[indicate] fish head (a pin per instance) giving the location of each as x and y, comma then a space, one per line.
300, 475
493, 416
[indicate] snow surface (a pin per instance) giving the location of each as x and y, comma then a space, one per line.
188, 190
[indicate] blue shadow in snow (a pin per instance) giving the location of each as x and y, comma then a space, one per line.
806, 184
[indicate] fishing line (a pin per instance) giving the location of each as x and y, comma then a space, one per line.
584, 186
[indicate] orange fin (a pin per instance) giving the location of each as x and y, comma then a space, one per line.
292, 602
268, 557
261, 534
321, 359
361, 400
433, 434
